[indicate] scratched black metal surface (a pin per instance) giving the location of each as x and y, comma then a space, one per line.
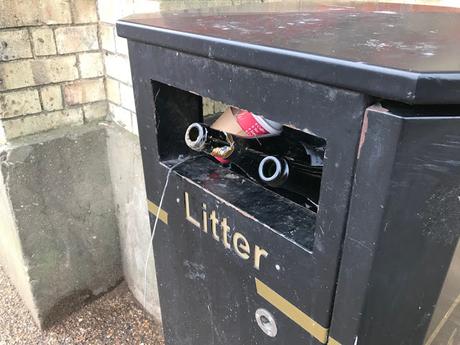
402, 233
167, 102
208, 293
282, 215
403, 221
415, 48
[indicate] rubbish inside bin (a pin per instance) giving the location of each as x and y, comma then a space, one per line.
267, 153
246, 124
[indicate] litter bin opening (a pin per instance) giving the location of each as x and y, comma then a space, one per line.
233, 163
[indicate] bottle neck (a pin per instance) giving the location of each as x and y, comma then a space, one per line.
273, 171
202, 138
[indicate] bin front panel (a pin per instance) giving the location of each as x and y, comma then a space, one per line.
217, 264
167, 99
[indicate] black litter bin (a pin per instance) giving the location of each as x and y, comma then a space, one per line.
241, 264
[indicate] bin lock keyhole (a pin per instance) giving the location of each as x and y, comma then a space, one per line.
266, 322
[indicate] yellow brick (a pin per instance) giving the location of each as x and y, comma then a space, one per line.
14, 45
54, 69
24, 73
117, 67
95, 111
120, 115
18, 103
52, 11
2, 134
134, 126
51, 97
208, 106
121, 45
110, 11
211, 107
84, 11
43, 122
91, 65
74, 39
219, 107
43, 41
124, 118
84, 91
15, 13
113, 90
107, 37
16, 74
127, 97
146, 6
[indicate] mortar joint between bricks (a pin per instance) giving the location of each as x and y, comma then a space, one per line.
40, 98
54, 39
72, 14
77, 65
61, 87
31, 42
44, 25
45, 57
99, 39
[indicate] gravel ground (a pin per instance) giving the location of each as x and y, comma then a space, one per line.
114, 318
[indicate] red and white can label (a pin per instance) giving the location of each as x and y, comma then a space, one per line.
248, 122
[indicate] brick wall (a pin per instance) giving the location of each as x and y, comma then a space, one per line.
118, 82
51, 66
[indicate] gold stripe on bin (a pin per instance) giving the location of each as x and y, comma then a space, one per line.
154, 209
332, 341
292, 312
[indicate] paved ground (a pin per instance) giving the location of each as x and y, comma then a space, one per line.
113, 319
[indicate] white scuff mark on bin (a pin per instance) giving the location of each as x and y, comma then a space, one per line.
385, 12
195, 270
160, 205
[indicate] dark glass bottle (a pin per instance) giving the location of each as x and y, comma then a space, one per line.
279, 162
279, 172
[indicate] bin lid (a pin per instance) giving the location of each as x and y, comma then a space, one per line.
407, 53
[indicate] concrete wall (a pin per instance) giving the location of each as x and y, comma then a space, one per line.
133, 220
11, 258
62, 246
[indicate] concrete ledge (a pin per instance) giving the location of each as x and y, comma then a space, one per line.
59, 239
133, 220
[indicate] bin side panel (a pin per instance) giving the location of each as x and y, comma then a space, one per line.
402, 232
